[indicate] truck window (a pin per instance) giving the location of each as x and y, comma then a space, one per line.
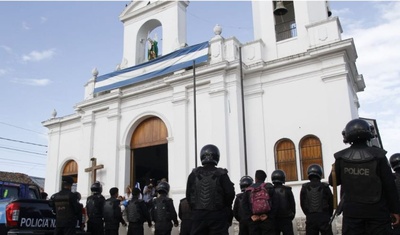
32, 194
10, 192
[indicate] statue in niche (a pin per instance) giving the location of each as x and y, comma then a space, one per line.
152, 52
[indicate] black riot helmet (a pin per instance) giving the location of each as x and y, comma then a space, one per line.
245, 182
162, 187
395, 161
278, 176
358, 129
314, 170
209, 154
96, 187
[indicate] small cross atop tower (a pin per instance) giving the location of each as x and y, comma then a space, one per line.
94, 168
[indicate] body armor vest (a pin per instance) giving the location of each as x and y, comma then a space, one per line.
359, 174
315, 198
94, 206
133, 211
284, 207
63, 208
186, 211
108, 211
161, 211
207, 189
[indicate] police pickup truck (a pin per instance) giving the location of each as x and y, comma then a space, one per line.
22, 211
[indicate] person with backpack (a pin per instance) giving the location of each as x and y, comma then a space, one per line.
112, 213
94, 209
238, 212
163, 211
259, 205
286, 206
316, 201
137, 213
210, 194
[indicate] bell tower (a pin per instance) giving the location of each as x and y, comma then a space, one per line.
292, 27
142, 17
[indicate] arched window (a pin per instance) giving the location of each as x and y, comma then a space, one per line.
310, 153
285, 158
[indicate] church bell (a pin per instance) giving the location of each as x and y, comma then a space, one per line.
280, 8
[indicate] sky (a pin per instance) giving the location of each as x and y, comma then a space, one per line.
48, 51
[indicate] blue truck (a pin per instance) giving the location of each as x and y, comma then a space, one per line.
22, 211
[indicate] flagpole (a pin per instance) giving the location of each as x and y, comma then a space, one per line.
243, 111
195, 113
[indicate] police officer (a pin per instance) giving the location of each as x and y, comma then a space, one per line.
210, 194
395, 164
65, 204
163, 211
238, 212
367, 183
316, 201
137, 214
112, 213
94, 209
286, 207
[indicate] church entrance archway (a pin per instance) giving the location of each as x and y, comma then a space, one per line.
71, 169
149, 152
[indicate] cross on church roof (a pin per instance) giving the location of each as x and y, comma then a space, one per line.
94, 168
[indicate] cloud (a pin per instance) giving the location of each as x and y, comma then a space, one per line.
6, 49
32, 82
2, 72
25, 26
43, 19
39, 55
376, 38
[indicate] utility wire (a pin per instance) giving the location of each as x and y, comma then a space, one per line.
19, 162
19, 150
21, 128
23, 142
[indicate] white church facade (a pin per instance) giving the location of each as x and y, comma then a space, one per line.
278, 102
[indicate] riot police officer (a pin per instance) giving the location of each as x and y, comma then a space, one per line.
112, 213
395, 164
185, 214
94, 209
65, 204
287, 206
210, 194
163, 211
367, 183
137, 214
316, 201
238, 212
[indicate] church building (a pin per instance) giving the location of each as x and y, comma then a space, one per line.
278, 102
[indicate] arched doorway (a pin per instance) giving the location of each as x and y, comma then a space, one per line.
71, 169
149, 152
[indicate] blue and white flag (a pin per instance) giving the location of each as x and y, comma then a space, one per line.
169, 63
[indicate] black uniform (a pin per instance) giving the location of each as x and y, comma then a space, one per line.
67, 208
137, 214
240, 215
163, 213
396, 229
286, 210
112, 216
185, 214
210, 194
261, 227
94, 210
316, 201
369, 189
